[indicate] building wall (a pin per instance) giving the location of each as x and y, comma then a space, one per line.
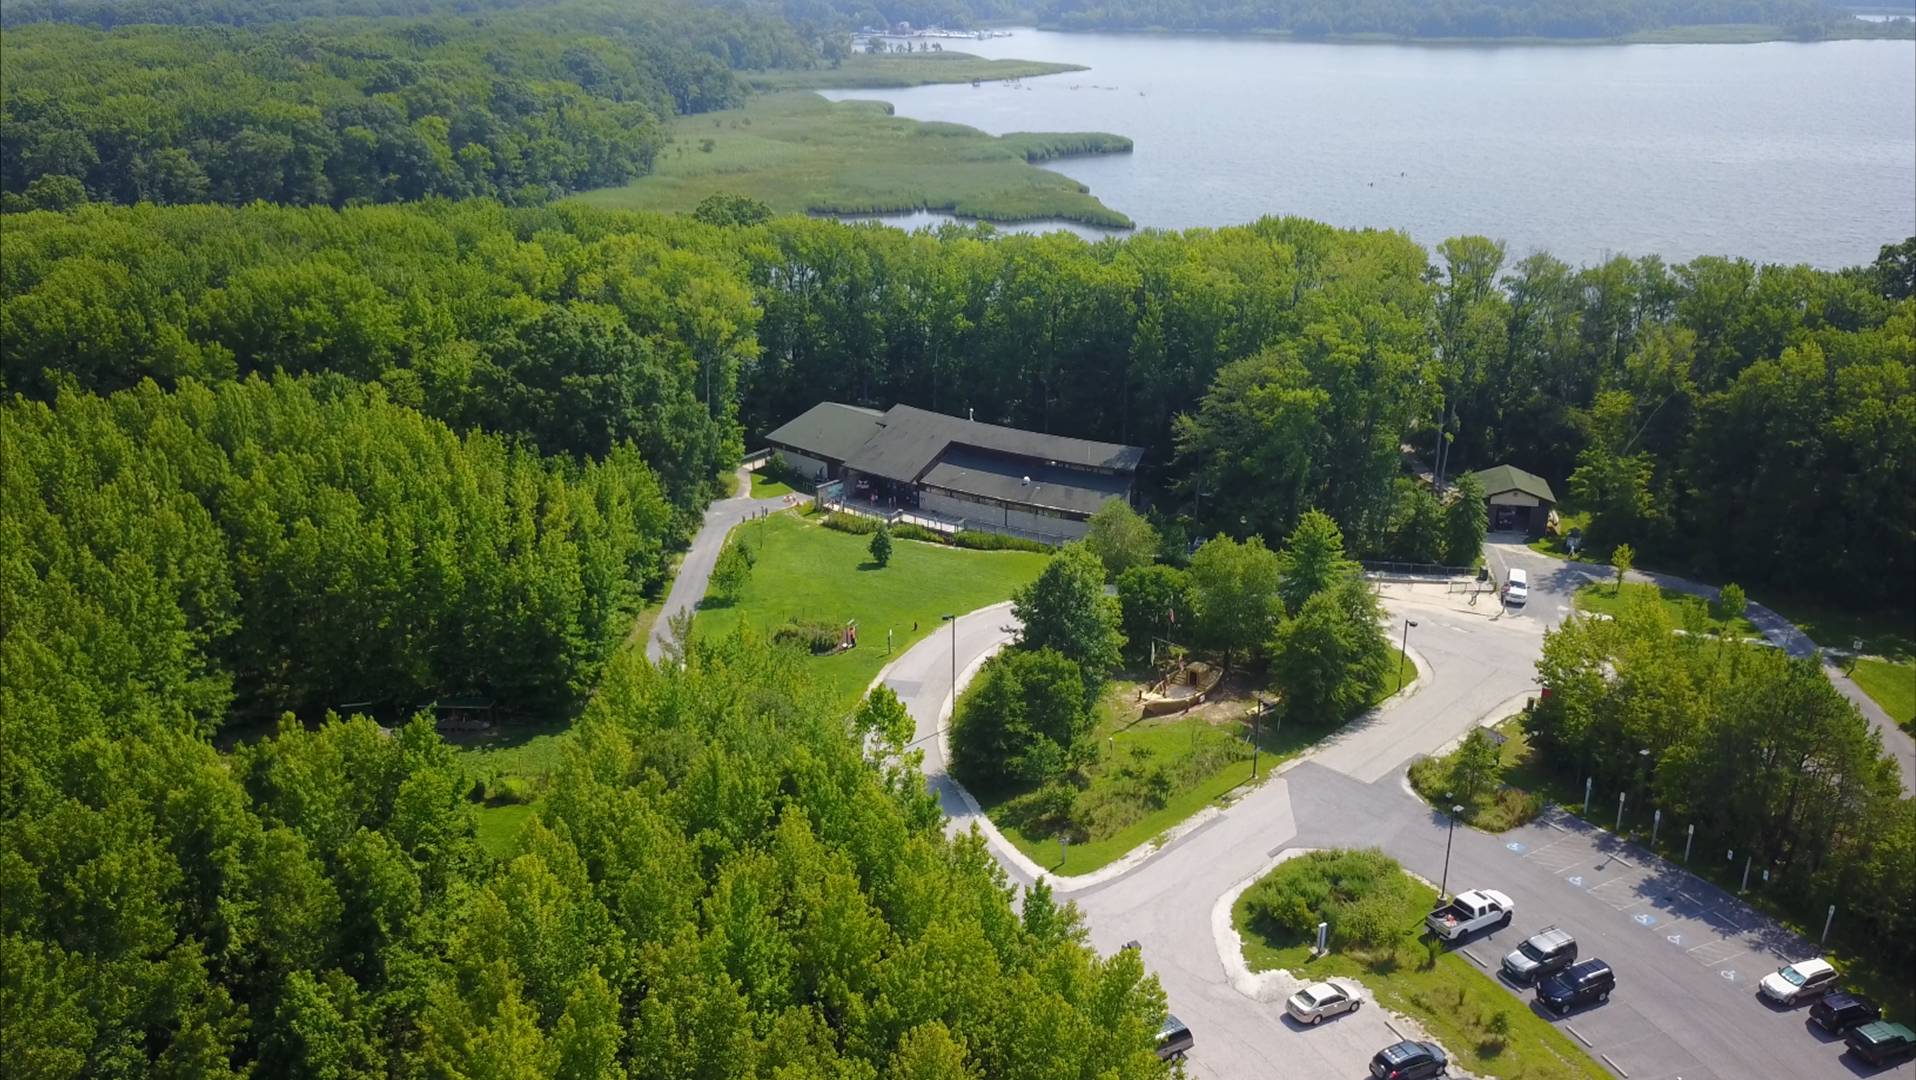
992, 518
807, 467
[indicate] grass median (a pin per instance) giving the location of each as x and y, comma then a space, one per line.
1604, 598
798, 153
1373, 907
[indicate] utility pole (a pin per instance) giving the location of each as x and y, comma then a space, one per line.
1403, 652
953, 620
1443, 889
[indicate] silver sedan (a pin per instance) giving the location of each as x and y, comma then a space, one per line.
1319, 1000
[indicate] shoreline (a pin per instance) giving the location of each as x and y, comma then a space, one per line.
1720, 34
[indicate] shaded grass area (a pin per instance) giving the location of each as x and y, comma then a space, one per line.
511, 768
798, 153
1459, 1004
1889, 633
1503, 803
1891, 685
806, 571
1605, 599
868, 72
1130, 747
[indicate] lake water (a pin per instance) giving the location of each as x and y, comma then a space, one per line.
1778, 152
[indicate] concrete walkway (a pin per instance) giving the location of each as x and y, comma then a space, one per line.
688, 587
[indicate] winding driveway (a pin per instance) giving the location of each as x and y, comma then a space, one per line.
1687, 955
688, 585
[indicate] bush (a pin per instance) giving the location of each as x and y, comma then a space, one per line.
1362, 894
988, 541
813, 635
856, 524
908, 531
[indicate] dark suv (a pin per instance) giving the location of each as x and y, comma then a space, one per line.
1578, 984
1546, 951
1409, 1060
1841, 1011
1879, 1043
1174, 1039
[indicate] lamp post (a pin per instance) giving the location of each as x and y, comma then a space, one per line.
1443, 887
1643, 772
953, 620
1403, 652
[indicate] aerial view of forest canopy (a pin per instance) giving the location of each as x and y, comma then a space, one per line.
326, 411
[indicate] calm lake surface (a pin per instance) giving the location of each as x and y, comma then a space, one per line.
1779, 152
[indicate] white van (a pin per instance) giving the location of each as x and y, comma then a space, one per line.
1517, 587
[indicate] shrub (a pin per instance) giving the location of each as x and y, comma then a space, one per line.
881, 546
816, 636
908, 531
856, 524
1362, 894
988, 541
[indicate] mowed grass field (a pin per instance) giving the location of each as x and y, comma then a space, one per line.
798, 153
1892, 685
1604, 599
806, 571
866, 71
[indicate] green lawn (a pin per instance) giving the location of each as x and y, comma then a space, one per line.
807, 571
1505, 804
766, 487
498, 826
1162, 742
1454, 1000
798, 153
1888, 633
527, 756
1604, 599
867, 72
1891, 685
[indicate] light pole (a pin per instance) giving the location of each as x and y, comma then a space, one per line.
1643, 773
953, 620
1443, 888
1403, 652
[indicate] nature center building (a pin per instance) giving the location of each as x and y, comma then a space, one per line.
967, 474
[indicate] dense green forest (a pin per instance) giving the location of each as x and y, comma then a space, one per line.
1754, 423
518, 106
719, 884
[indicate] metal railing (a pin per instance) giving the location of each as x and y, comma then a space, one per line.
1424, 571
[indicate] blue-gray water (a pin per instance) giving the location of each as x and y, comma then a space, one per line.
1778, 152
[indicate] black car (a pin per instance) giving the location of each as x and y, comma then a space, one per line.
1578, 984
1881, 1042
1409, 1060
1174, 1039
1838, 1012
1543, 953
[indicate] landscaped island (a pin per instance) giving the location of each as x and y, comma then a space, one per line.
798, 153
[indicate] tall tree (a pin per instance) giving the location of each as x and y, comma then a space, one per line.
1065, 609
1235, 586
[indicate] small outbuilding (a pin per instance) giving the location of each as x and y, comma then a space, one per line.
1518, 501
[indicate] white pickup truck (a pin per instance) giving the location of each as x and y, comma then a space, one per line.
1469, 912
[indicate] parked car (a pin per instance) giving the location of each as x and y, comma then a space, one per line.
1840, 1011
1477, 909
1545, 952
1319, 1000
1793, 984
1409, 1060
1517, 587
1579, 984
1174, 1039
1881, 1042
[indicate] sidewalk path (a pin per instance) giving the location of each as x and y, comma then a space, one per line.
688, 587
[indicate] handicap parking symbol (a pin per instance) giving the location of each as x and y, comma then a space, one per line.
1644, 918
1728, 974
1577, 881
1674, 939
1516, 847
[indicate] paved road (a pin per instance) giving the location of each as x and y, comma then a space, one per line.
1677, 1013
1558, 580
688, 585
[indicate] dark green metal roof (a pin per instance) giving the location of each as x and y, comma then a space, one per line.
1501, 478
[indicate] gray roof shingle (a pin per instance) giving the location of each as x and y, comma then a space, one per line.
829, 430
976, 472
912, 439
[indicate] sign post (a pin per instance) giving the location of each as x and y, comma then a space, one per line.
1619, 812
1687, 841
1656, 822
1827, 919
1323, 936
1587, 781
